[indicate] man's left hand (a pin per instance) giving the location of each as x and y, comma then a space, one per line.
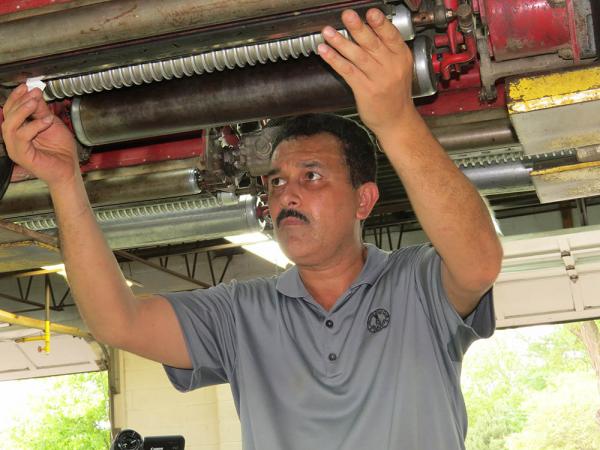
378, 66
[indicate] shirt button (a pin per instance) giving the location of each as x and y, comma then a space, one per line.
329, 323
332, 357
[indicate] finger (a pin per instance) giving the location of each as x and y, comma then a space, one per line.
386, 31
360, 58
34, 95
342, 66
14, 97
362, 34
42, 109
18, 115
30, 130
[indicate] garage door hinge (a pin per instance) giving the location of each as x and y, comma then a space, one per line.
568, 261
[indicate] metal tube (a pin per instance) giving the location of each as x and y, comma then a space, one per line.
198, 64
249, 94
275, 90
476, 135
499, 178
115, 186
216, 60
188, 220
114, 21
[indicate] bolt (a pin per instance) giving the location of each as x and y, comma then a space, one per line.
565, 53
465, 18
557, 3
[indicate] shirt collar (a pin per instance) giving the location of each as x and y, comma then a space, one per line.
290, 284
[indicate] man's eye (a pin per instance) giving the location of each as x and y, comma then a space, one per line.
277, 182
313, 176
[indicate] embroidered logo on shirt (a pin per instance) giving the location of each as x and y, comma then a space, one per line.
378, 320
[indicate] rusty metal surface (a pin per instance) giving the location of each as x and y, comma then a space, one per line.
567, 182
11, 232
553, 129
519, 28
19, 9
556, 111
127, 20
23, 255
126, 37
492, 71
22, 249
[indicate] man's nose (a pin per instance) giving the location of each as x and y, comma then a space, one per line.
290, 196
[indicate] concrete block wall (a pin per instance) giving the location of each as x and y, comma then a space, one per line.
149, 404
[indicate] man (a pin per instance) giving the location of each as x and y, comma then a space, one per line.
353, 348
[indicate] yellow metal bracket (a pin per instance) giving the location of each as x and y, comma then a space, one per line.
44, 325
30, 322
538, 92
45, 337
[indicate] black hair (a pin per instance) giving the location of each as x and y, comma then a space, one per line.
358, 146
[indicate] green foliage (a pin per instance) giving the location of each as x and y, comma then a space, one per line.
494, 405
520, 387
562, 351
72, 414
562, 417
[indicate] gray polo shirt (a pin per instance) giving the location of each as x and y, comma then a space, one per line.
380, 370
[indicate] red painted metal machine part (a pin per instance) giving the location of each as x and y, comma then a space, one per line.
520, 28
517, 28
455, 56
134, 156
12, 6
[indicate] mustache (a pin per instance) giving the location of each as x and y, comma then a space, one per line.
290, 213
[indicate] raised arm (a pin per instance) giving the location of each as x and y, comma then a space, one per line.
378, 66
39, 142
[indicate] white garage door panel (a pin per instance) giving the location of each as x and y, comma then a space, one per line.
67, 355
526, 297
549, 277
12, 358
590, 288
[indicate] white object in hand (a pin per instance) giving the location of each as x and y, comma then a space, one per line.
35, 82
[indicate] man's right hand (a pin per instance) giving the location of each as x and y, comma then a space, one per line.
47, 149
37, 140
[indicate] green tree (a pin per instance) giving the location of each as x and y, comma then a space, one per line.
505, 378
561, 417
71, 415
493, 388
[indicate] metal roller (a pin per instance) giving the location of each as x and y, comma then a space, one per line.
115, 186
185, 220
424, 78
500, 178
208, 62
489, 133
272, 90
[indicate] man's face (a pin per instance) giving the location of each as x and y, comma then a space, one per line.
312, 202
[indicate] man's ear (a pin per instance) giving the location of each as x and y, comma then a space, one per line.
368, 194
